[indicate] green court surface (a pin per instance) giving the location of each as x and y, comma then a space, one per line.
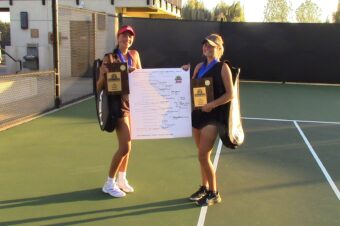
52, 168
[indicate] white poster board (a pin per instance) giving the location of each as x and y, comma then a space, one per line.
160, 103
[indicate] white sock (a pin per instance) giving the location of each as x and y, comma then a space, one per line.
121, 176
111, 180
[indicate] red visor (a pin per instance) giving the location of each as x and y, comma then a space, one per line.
126, 28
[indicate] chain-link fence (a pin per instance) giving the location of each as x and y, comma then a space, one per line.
25, 95
27, 79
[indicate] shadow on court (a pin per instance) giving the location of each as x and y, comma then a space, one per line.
93, 195
89, 195
276, 186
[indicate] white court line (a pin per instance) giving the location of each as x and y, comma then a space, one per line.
288, 120
323, 169
204, 209
44, 114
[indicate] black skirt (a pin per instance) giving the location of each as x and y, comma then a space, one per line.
218, 116
119, 105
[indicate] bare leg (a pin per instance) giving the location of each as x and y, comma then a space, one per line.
197, 134
124, 142
125, 162
207, 139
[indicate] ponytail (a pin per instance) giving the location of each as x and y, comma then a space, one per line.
115, 49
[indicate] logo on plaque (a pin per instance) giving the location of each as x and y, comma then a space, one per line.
200, 96
123, 67
114, 82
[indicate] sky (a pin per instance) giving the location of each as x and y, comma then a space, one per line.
254, 8
4, 17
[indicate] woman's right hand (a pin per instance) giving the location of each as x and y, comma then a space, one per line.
185, 67
103, 69
102, 72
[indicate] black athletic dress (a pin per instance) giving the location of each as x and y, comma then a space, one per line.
119, 104
219, 114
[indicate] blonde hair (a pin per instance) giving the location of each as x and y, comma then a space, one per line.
220, 48
220, 51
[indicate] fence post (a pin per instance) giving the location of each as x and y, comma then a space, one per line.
220, 27
56, 52
120, 20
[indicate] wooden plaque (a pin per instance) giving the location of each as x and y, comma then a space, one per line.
117, 79
202, 92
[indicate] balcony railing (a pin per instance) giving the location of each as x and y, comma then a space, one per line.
177, 3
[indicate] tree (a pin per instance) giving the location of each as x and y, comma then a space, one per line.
277, 11
336, 15
195, 10
308, 12
220, 11
232, 13
5, 33
236, 13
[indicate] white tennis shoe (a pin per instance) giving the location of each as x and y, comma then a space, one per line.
113, 190
123, 184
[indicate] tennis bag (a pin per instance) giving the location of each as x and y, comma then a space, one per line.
231, 133
107, 120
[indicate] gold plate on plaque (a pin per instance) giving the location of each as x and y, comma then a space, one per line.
202, 92
200, 96
117, 79
114, 82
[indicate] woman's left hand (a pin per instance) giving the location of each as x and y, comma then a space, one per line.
131, 69
208, 107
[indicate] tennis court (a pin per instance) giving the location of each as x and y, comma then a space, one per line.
286, 172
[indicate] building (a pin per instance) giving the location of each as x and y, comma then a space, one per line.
87, 30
